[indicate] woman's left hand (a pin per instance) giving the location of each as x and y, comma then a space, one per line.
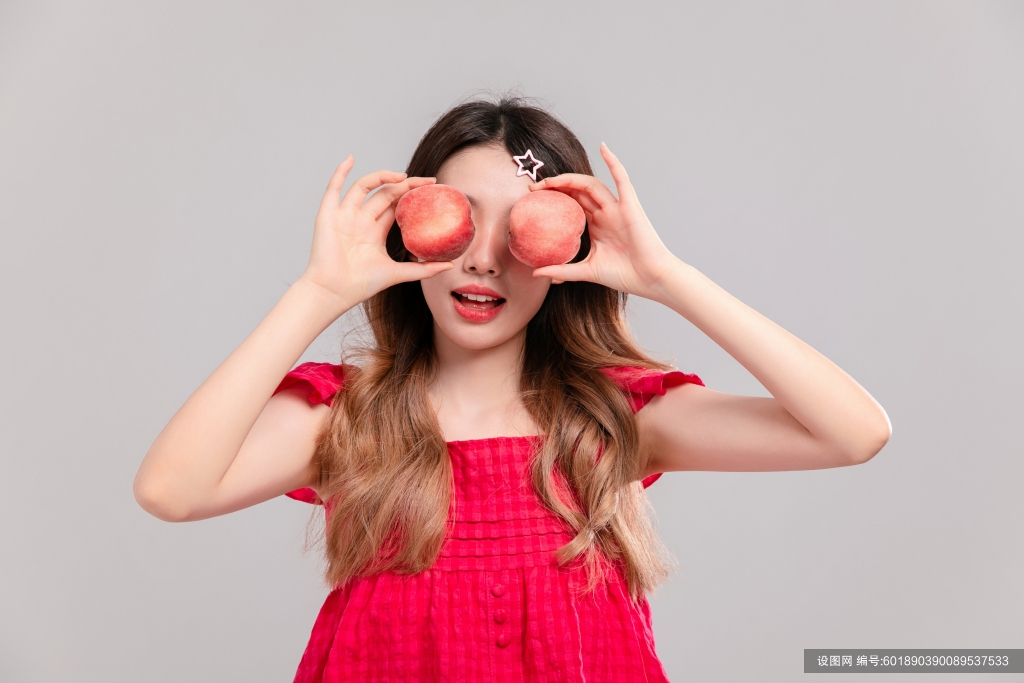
625, 251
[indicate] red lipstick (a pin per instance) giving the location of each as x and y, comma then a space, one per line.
476, 303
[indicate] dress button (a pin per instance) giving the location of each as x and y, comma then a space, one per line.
498, 590
503, 640
499, 616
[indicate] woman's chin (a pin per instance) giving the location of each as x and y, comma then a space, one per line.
477, 336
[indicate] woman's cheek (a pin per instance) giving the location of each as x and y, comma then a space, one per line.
533, 299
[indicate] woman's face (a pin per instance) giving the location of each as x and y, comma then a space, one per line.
487, 176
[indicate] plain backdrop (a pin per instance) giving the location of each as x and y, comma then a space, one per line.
853, 171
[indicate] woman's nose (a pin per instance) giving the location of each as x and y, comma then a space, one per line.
485, 251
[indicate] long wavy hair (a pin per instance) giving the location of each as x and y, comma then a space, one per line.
383, 461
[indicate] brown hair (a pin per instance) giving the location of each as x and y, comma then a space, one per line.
384, 464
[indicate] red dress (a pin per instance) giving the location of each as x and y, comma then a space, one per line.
495, 606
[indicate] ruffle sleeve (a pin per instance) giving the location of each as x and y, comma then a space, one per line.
641, 385
321, 382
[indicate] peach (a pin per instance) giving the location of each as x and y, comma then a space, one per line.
435, 222
545, 228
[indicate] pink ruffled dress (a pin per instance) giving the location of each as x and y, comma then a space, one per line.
495, 606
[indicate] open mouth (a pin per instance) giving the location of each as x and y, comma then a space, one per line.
477, 307
478, 302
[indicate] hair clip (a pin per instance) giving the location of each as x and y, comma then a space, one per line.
533, 169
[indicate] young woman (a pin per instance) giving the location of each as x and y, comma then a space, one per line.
483, 465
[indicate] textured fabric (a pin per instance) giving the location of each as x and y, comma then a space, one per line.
495, 606
321, 382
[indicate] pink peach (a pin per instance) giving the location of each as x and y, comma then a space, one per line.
435, 222
545, 228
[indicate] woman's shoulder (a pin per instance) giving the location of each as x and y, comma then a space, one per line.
321, 382
642, 384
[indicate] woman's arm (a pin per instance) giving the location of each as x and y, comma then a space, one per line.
231, 445
818, 415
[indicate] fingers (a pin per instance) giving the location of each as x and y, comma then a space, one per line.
386, 219
618, 171
567, 272
585, 184
408, 271
337, 181
387, 196
583, 199
357, 193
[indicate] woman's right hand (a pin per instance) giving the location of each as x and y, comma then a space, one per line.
348, 260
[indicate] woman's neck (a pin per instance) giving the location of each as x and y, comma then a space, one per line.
476, 391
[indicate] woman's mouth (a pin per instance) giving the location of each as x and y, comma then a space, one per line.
477, 307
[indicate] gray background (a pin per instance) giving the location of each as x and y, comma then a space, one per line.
851, 170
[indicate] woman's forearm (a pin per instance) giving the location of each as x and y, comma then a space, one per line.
193, 452
829, 403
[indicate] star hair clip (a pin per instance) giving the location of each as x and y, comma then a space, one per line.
534, 165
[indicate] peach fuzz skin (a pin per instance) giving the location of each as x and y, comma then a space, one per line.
545, 228
436, 222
